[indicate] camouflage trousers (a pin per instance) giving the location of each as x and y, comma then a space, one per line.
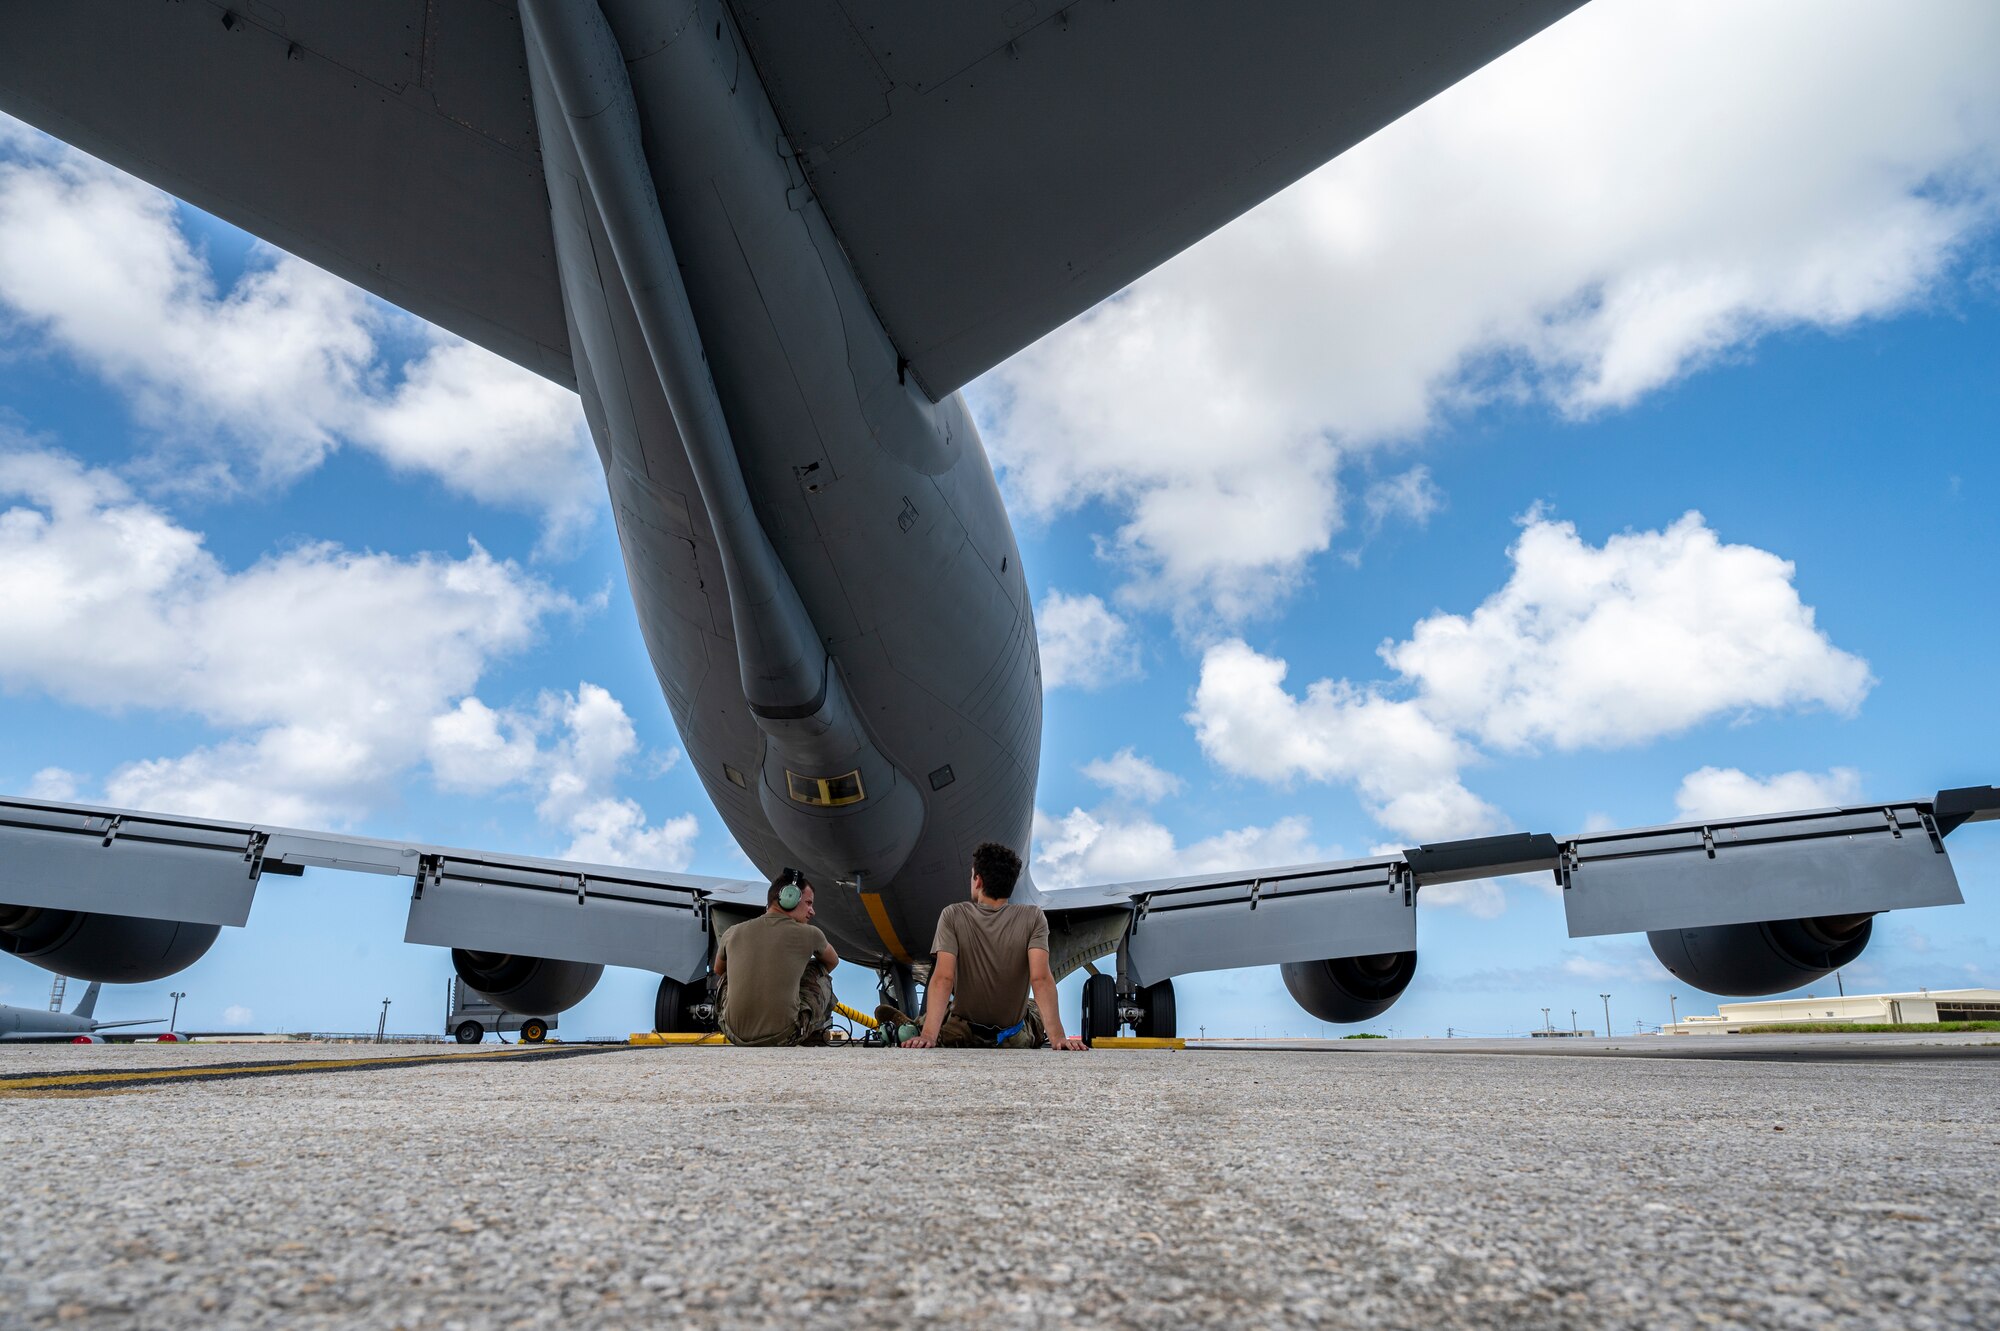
815, 1011
958, 1033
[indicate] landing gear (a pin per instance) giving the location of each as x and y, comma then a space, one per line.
682, 1008
468, 1032
1156, 1011
897, 985
534, 1030
1100, 1008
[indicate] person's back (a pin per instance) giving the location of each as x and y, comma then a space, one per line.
991, 944
991, 954
774, 969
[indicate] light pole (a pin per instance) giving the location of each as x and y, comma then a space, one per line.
177, 995
1607, 1013
1546, 1025
1673, 1009
382, 1026
1572, 1022
1840, 984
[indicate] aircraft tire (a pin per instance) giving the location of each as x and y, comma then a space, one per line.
1157, 1001
670, 1008
534, 1030
468, 1032
1100, 1007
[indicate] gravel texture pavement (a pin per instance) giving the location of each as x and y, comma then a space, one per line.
719, 1187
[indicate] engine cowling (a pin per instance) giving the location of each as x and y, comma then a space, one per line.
526, 986
116, 949
1350, 989
1768, 957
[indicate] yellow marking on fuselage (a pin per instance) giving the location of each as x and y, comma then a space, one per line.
878, 915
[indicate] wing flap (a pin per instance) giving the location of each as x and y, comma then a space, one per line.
156, 866
1850, 861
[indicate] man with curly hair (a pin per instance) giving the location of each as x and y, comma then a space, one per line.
991, 952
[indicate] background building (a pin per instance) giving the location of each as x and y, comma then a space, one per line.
1925, 1005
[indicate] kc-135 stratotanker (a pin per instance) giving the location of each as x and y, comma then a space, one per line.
766, 241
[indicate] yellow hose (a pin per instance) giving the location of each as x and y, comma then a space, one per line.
861, 1017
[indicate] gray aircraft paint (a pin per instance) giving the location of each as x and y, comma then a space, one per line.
894, 557
24, 1024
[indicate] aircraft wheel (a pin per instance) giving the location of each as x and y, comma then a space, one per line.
534, 1030
469, 1032
1100, 1007
1157, 1000
670, 1006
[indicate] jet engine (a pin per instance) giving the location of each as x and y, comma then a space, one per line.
1768, 957
527, 986
116, 949
1349, 989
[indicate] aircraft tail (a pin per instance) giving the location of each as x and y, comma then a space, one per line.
86, 1007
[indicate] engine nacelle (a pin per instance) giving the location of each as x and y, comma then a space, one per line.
116, 949
1349, 989
1768, 957
526, 986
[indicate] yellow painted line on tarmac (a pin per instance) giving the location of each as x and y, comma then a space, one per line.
677, 1037
1137, 1042
31, 1084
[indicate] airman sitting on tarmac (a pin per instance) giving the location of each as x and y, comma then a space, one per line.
775, 971
990, 953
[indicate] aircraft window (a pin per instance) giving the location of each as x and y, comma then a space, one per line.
825, 792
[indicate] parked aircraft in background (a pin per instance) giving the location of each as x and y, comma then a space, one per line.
79, 1025
766, 242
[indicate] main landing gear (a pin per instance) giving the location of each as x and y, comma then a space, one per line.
685, 1007
1149, 1011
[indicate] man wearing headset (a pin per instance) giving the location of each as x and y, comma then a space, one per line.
775, 969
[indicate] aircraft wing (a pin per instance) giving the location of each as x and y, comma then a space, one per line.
1854, 860
203, 871
992, 167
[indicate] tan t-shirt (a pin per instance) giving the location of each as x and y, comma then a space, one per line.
766, 959
991, 944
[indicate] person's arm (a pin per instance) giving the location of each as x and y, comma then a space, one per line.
937, 1001
1043, 982
828, 957
721, 955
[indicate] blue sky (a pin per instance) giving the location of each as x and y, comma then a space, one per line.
1428, 426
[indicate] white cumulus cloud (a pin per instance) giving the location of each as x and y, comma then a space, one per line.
1084, 645
305, 658
1132, 777
1645, 635
1725, 792
1637, 192
1584, 646
1084, 847
569, 748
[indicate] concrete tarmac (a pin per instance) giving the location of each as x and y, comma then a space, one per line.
735, 1188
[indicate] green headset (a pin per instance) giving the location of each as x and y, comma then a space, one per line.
793, 891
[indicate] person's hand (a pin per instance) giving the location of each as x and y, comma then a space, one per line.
919, 1042
1069, 1042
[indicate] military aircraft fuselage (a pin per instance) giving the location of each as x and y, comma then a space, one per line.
846, 642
